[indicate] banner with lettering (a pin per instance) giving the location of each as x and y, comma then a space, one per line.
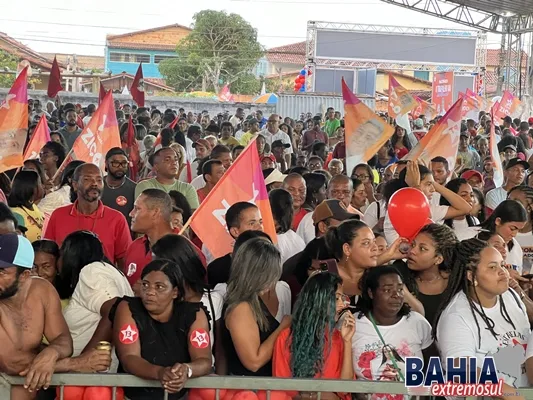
14, 123
483, 103
442, 96
470, 108
364, 132
400, 100
442, 140
509, 106
243, 181
41, 136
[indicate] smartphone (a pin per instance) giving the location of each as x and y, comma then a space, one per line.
528, 276
328, 265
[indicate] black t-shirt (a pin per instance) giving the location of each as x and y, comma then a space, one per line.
121, 198
218, 270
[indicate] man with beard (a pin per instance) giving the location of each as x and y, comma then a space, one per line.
89, 213
119, 190
71, 130
29, 309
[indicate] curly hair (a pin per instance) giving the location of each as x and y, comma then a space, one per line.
444, 240
312, 324
466, 258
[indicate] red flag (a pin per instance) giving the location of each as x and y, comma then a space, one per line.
99, 136
400, 100
133, 150
41, 136
137, 87
243, 181
173, 124
189, 172
101, 93
14, 123
54, 80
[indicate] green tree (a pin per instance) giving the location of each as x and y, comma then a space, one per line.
221, 49
246, 84
9, 62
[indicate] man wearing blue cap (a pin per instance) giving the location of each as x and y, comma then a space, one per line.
29, 309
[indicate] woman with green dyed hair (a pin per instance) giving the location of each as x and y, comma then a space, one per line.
312, 346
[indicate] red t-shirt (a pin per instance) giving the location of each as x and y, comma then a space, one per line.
298, 218
201, 196
281, 359
109, 225
139, 255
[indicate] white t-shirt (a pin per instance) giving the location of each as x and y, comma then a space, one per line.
283, 292
525, 240
289, 244
463, 231
407, 338
98, 283
437, 215
198, 182
458, 336
218, 302
306, 229
516, 256
494, 197
280, 135
189, 150
371, 213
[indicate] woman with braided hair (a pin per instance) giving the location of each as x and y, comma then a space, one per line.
481, 316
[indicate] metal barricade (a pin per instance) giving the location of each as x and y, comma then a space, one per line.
226, 382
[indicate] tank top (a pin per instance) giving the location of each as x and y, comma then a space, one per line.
234, 364
162, 343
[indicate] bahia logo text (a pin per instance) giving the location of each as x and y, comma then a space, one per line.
459, 379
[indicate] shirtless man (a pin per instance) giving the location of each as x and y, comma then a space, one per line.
29, 309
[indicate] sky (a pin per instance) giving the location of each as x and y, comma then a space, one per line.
56, 26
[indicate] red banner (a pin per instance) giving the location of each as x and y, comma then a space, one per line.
442, 96
41, 136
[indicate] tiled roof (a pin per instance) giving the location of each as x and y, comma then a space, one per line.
493, 58
289, 54
23, 52
84, 62
157, 82
112, 37
141, 46
491, 82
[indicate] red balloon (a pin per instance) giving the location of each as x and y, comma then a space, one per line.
408, 212
102, 393
245, 395
298, 86
274, 395
71, 392
302, 78
309, 72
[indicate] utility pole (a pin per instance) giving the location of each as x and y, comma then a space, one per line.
501, 62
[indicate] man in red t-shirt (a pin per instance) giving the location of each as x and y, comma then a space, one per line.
150, 216
295, 185
212, 170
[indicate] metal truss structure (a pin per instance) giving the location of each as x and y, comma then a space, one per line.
313, 61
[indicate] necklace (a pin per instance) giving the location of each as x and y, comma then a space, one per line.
435, 279
116, 187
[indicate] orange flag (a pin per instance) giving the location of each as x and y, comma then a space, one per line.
483, 103
98, 137
400, 100
470, 108
41, 136
424, 108
101, 93
243, 181
509, 106
365, 133
442, 140
14, 123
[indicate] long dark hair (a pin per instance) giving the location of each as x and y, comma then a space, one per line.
454, 185
405, 141
181, 252
507, 211
79, 249
22, 193
314, 182
282, 211
370, 282
466, 258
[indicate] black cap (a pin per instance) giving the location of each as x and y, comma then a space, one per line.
517, 161
279, 143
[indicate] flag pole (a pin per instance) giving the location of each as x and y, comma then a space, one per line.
60, 169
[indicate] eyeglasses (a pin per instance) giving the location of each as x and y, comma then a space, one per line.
116, 164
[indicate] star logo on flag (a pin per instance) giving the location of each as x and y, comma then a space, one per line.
200, 339
128, 334
140, 86
5, 103
220, 213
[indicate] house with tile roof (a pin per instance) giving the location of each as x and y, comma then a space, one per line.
281, 60
22, 52
124, 52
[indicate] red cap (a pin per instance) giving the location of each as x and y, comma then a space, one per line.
270, 156
470, 173
530, 120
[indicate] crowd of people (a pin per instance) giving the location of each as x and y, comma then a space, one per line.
90, 256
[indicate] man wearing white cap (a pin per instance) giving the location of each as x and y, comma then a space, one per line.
29, 309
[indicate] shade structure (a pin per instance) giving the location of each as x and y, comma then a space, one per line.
269, 98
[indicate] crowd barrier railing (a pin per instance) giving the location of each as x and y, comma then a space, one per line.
226, 382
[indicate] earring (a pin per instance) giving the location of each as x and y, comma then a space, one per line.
475, 283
